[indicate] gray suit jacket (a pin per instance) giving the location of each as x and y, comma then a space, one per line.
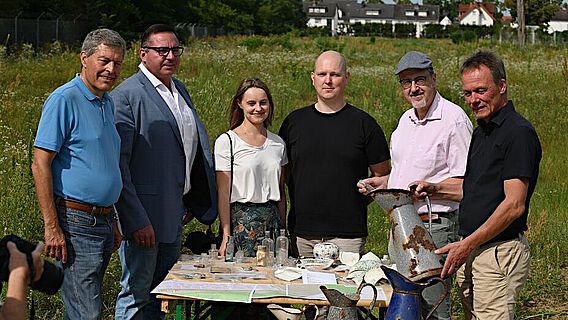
152, 162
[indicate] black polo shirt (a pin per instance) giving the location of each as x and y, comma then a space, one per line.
506, 147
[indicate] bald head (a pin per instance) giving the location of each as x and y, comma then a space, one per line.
330, 77
333, 56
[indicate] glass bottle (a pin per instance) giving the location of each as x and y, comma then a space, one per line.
282, 249
269, 244
230, 249
261, 256
213, 252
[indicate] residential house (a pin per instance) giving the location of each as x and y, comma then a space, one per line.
559, 22
339, 14
477, 14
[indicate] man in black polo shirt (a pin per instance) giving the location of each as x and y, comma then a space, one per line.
492, 260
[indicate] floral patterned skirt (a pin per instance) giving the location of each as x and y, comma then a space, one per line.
249, 221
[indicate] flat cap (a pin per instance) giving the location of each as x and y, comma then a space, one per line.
413, 60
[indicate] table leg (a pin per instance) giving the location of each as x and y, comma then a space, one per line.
382, 313
179, 310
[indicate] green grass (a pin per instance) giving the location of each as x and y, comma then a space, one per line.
211, 70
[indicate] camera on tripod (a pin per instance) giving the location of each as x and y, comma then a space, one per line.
52, 276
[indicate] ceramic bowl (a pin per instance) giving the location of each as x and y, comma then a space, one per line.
326, 250
315, 263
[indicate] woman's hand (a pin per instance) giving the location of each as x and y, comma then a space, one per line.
223, 246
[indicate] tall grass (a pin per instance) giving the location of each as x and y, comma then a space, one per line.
212, 69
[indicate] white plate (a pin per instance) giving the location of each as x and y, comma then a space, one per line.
288, 274
374, 275
349, 258
315, 263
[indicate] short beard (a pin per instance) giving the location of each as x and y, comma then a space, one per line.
420, 104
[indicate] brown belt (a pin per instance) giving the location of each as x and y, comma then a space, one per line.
435, 215
88, 208
424, 216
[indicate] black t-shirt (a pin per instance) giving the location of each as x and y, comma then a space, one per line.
506, 147
329, 153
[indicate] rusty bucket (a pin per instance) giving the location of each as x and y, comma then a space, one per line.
411, 246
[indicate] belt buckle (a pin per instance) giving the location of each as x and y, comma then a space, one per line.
94, 210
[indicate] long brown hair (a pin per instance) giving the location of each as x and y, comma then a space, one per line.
236, 115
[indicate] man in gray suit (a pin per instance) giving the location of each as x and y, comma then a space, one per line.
167, 171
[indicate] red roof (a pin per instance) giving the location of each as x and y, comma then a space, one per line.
506, 19
465, 9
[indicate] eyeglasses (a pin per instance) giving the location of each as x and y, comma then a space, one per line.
164, 51
419, 81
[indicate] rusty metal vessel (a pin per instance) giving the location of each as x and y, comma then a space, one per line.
412, 247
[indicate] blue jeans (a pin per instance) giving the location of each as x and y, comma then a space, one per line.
89, 242
142, 270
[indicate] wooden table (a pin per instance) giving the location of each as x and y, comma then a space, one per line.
171, 300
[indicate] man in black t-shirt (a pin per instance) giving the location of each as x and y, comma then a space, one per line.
331, 145
493, 258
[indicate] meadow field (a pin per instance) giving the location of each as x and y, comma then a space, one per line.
212, 69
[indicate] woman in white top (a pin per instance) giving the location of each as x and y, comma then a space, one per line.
257, 201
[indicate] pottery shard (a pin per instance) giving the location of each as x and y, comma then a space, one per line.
418, 238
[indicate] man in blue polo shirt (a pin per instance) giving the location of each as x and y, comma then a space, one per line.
77, 175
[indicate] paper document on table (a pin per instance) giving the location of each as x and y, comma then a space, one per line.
269, 291
187, 267
305, 291
313, 291
230, 292
367, 294
313, 277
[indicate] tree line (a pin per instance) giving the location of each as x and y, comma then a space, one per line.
261, 17
131, 17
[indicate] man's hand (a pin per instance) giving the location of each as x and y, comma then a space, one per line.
458, 252
187, 218
117, 237
145, 237
374, 182
422, 189
448, 189
55, 246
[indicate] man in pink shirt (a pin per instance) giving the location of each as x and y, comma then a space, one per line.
430, 143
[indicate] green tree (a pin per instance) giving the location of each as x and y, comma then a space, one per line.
131, 17
448, 8
537, 12
279, 16
219, 13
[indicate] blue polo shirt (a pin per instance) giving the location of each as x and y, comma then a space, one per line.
79, 127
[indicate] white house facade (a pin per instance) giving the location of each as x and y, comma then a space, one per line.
559, 22
339, 14
477, 14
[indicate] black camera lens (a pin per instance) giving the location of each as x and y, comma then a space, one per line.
51, 279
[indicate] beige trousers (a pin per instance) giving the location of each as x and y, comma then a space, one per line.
306, 245
492, 277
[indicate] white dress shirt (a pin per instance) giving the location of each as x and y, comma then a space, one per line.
184, 119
